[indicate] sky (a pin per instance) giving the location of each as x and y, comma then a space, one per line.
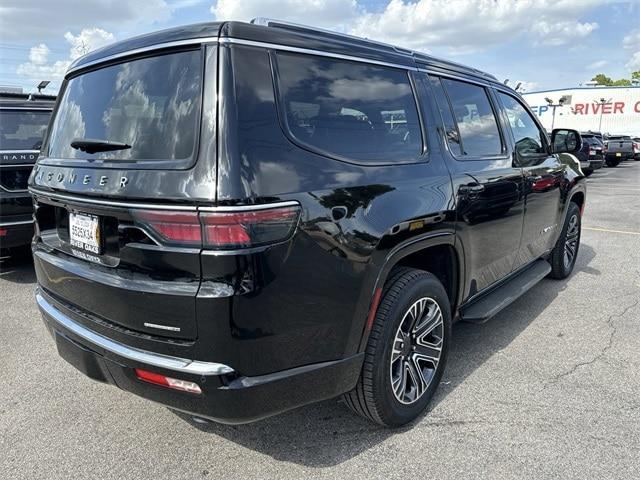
544, 44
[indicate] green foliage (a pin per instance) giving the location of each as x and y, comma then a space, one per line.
602, 79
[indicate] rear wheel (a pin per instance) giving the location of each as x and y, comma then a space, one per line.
564, 254
406, 352
587, 171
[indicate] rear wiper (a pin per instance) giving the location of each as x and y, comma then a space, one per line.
93, 145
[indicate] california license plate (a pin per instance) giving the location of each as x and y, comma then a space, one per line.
84, 232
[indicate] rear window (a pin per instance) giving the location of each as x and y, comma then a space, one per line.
151, 104
22, 129
349, 110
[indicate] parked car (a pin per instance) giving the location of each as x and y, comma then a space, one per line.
636, 148
591, 154
23, 121
618, 148
237, 219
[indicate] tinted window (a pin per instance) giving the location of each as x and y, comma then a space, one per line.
22, 130
451, 131
527, 135
348, 109
151, 104
476, 121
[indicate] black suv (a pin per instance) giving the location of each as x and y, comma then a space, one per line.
23, 121
237, 219
591, 155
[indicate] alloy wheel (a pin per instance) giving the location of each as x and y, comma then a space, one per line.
571, 241
416, 352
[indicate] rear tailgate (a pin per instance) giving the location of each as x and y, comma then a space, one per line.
131, 282
21, 132
92, 252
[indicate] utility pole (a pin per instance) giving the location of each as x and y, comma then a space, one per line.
602, 102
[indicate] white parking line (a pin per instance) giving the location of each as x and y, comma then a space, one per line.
610, 231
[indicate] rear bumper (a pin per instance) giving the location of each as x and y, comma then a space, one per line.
15, 233
622, 156
227, 396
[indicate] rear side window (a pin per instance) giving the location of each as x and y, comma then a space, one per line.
151, 104
349, 110
527, 135
22, 130
479, 134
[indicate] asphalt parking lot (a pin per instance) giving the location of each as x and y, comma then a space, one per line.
550, 388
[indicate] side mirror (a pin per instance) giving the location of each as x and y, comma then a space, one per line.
564, 140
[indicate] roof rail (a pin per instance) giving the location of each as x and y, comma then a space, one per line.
271, 22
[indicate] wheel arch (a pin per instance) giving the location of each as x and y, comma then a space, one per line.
436, 251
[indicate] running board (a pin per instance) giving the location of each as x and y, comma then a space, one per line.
490, 304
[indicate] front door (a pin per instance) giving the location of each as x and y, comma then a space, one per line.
543, 174
489, 187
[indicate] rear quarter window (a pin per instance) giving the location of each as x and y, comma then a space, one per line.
349, 110
151, 104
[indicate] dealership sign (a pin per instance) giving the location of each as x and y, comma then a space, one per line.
611, 109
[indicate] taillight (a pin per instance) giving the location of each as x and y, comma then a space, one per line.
248, 229
217, 229
172, 227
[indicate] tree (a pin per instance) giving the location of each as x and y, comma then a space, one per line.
602, 79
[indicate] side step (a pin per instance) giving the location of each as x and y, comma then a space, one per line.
490, 304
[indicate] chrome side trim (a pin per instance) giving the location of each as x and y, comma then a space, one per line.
44, 109
156, 206
244, 208
20, 190
308, 51
112, 203
136, 51
137, 355
468, 78
19, 152
13, 224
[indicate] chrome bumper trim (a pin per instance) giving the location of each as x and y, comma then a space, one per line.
155, 359
12, 224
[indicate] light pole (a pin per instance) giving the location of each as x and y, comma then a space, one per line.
602, 102
560, 103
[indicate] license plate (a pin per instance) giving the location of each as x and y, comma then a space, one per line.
84, 232
618, 154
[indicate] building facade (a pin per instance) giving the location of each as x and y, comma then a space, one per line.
612, 110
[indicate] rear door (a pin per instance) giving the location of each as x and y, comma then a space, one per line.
543, 173
488, 186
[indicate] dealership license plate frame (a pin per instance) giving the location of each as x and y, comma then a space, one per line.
87, 232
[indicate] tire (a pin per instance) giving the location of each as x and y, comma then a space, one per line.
564, 254
587, 172
410, 297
